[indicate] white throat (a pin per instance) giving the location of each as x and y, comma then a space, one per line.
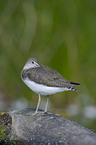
28, 66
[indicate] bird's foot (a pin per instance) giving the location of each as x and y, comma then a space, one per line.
39, 112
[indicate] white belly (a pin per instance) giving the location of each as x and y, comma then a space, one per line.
42, 89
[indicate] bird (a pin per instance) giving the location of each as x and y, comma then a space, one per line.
44, 80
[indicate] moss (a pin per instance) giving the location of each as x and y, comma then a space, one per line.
2, 133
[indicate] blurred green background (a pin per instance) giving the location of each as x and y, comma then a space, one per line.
62, 35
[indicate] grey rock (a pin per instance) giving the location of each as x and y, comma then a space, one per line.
47, 129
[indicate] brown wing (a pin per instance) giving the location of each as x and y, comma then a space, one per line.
47, 76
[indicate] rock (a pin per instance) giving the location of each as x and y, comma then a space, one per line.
27, 128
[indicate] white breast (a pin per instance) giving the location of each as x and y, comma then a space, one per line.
42, 89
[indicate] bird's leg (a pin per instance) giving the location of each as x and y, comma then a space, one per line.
46, 104
38, 104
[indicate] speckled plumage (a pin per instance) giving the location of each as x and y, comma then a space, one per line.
47, 76
44, 80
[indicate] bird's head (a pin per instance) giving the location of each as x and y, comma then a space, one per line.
32, 63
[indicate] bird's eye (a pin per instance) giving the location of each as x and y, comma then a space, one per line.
32, 62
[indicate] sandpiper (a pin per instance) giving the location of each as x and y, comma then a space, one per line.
44, 80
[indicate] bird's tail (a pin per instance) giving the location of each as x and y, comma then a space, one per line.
75, 84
